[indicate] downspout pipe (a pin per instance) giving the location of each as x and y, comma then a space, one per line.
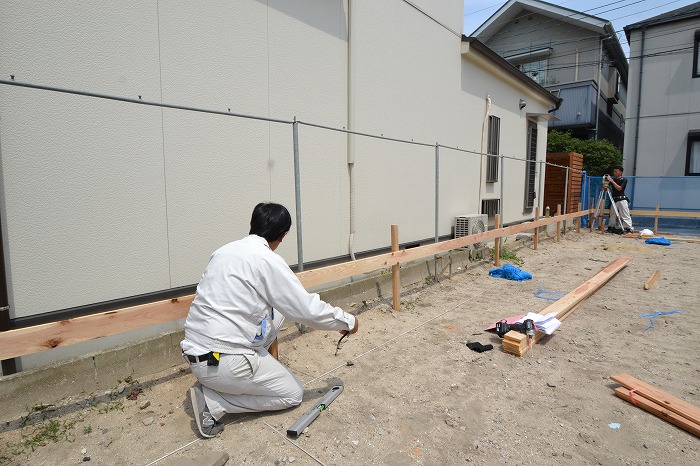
350, 139
639, 104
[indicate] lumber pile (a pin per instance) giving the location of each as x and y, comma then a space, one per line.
658, 402
517, 343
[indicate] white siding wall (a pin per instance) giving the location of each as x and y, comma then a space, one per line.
670, 100
104, 200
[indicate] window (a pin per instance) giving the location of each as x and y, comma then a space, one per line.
494, 138
692, 161
530, 166
535, 70
490, 207
696, 51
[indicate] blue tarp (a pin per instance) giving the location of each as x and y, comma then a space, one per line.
662, 241
510, 272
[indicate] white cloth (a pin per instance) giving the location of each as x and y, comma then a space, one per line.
623, 209
241, 301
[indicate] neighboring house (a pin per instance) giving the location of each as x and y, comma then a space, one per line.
105, 200
663, 116
576, 56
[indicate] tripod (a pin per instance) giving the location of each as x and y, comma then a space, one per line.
600, 205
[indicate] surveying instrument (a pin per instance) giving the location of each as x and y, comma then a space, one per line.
600, 204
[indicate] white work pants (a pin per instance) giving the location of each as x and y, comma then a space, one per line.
623, 209
245, 383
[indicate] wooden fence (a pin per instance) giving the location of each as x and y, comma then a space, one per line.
29, 340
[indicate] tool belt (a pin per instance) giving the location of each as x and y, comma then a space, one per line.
212, 358
194, 359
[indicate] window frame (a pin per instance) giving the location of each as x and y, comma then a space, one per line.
693, 137
696, 50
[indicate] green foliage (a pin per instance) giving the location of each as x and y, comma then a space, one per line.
598, 156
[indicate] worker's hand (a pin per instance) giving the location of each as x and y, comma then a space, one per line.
354, 329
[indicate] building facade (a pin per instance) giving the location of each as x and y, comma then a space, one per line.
106, 199
574, 55
663, 131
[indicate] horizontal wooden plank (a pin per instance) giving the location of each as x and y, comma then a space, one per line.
666, 400
660, 411
665, 213
19, 342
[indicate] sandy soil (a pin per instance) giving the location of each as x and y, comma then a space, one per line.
415, 394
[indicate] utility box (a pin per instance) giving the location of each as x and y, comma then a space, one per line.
555, 182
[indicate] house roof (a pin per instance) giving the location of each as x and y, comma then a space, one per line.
513, 9
687, 12
505, 66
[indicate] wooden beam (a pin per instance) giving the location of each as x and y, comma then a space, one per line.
20, 342
565, 305
395, 270
23, 341
652, 279
660, 411
331, 273
665, 213
658, 396
497, 244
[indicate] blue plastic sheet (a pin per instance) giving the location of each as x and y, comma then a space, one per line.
510, 272
662, 241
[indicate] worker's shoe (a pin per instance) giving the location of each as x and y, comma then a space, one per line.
207, 425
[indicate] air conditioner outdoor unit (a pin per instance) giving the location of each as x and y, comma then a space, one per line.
471, 225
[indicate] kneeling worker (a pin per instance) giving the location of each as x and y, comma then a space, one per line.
244, 295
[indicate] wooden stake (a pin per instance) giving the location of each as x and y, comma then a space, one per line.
497, 244
656, 220
652, 279
558, 223
578, 220
537, 229
395, 275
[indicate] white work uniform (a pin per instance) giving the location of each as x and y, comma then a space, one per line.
241, 301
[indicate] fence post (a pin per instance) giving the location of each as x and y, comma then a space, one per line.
537, 228
297, 194
578, 219
395, 274
558, 223
656, 220
497, 243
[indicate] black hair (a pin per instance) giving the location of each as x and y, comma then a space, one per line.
270, 221
619, 167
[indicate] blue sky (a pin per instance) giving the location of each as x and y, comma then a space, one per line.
619, 12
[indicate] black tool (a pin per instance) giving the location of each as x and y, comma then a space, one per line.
337, 347
527, 327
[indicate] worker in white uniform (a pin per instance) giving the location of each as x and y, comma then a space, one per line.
241, 301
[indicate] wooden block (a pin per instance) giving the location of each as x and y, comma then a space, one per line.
652, 279
667, 401
659, 411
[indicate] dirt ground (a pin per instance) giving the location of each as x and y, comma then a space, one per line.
415, 394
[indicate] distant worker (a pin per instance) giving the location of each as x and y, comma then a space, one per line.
231, 328
618, 185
